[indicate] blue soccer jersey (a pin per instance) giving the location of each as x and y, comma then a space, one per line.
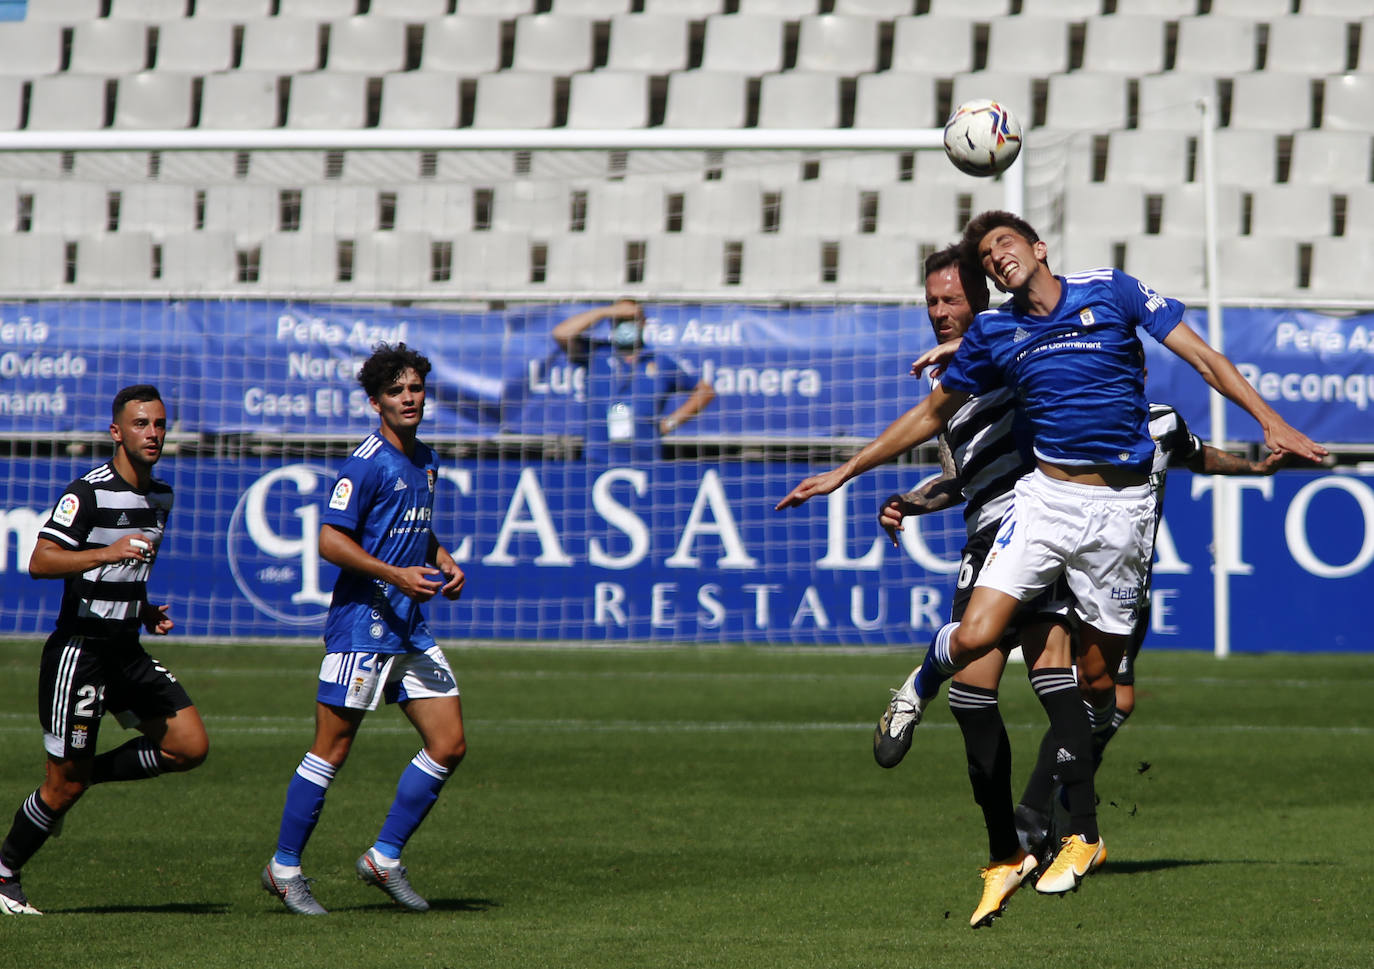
385, 500
626, 399
1076, 372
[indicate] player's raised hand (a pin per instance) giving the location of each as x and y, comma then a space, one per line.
1285, 439
155, 619
936, 358
418, 582
817, 484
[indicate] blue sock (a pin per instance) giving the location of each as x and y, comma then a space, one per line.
304, 799
937, 666
416, 792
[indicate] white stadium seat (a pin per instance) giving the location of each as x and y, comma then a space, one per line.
467, 45
109, 47
829, 43
652, 43
747, 44
932, 45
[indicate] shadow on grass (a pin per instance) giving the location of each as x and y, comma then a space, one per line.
1164, 864
169, 908
435, 905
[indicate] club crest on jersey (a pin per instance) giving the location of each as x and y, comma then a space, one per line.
65, 512
343, 490
78, 738
1085, 316
429, 476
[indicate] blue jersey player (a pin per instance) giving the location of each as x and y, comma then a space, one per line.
377, 530
1068, 347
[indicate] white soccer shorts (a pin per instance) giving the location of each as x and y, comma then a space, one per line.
1100, 538
359, 681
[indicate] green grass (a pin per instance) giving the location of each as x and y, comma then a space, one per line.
715, 807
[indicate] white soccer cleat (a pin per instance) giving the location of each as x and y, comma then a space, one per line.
892, 738
12, 898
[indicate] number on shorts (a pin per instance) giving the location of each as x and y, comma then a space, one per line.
85, 704
1004, 536
965, 572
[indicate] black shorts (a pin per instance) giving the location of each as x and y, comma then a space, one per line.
1053, 603
80, 678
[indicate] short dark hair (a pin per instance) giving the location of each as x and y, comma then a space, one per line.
980, 225
970, 276
136, 392
389, 361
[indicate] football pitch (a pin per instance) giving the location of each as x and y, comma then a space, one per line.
715, 808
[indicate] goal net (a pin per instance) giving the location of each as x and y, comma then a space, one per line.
591, 493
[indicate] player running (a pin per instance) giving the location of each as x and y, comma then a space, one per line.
377, 530
101, 539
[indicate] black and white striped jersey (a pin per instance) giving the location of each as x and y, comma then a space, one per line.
986, 437
1175, 445
96, 510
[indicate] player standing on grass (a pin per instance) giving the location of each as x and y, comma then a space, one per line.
101, 539
1068, 348
377, 530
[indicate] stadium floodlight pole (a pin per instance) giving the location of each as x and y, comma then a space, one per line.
1221, 496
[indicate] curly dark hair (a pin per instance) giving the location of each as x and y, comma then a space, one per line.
138, 392
980, 225
389, 361
970, 276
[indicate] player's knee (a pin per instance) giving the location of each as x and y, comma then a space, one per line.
974, 637
450, 753
187, 755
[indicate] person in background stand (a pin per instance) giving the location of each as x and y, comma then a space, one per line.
628, 385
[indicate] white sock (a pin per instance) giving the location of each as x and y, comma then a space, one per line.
384, 860
284, 871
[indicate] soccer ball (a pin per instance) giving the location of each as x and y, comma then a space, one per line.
982, 138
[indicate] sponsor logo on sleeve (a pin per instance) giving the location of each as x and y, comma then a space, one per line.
343, 491
65, 512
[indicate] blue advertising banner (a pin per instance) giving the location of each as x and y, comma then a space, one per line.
834, 371
686, 552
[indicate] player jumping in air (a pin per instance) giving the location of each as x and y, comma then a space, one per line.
1068, 347
377, 530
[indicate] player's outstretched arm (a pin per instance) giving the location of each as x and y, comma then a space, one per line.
916, 426
565, 332
339, 548
936, 358
1223, 377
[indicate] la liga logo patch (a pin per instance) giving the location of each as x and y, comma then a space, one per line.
65, 512
343, 491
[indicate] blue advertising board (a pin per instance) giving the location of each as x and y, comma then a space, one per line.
686, 552
832, 371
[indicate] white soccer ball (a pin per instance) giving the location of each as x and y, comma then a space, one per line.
982, 138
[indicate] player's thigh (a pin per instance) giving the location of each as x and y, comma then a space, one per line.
144, 694
1047, 643
984, 672
425, 687
439, 721
72, 679
1032, 542
1109, 572
181, 736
